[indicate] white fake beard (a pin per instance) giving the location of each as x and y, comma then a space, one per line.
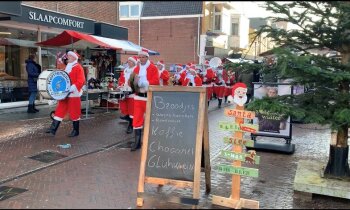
240, 101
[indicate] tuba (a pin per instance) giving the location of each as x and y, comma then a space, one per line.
215, 62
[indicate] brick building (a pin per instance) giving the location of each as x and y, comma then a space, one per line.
172, 28
186, 31
24, 23
103, 11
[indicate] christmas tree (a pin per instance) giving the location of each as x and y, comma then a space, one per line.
321, 27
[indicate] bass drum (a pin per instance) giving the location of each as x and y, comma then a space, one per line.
54, 84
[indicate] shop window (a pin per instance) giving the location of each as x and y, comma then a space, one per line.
15, 47
217, 18
50, 56
235, 26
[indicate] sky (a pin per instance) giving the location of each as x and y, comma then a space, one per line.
252, 8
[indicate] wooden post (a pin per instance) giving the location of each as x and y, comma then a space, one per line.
236, 179
235, 201
206, 151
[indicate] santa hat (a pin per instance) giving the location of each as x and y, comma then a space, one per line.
193, 69
188, 64
74, 54
238, 85
133, 59
178, 66
160, 63
206, 62
144, 52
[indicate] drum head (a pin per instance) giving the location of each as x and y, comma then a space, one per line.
58, 85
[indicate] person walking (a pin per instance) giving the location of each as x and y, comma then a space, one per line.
164, 74
33, 70
127, 104
72, 103
146, 74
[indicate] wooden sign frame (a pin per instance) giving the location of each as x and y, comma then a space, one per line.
202, 143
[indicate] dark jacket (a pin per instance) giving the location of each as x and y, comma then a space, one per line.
33, 70
247, 78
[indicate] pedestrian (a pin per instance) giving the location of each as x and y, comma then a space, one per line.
192, 79
72, 103
220, 84
126, 104
177, 75
146, 74
33, 70
164, 74
208, 77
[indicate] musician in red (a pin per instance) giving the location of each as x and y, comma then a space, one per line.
208, 76
220, 84
146, 74
229, 83
126, 104
164, 74
177, 75
192, 79
71, 104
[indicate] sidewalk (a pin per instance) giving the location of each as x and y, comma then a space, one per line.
99, 173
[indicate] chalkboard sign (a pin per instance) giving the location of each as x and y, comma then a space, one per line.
173, 137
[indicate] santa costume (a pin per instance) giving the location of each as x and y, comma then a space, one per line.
220, 84
208, 77
126, 104
71, 104
192, 79
164, 74
147, 74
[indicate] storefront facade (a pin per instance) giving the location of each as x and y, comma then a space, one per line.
22, 26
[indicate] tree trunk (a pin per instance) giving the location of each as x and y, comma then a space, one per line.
338, 166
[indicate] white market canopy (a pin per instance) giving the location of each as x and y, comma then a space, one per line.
69, 39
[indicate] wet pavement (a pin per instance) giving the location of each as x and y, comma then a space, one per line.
98, 172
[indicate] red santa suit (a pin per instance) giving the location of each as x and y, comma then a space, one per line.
192, 80
229, 83
164, 74
148, 74
72, 104
208, 82
126, 105
220, 83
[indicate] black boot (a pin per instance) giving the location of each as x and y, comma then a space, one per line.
137, 144
226, 99
130, 128
208, 103
36, 110
75, 131
220, 101
126, 117
54, 127
31, 109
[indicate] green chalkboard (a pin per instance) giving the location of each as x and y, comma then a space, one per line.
172, 135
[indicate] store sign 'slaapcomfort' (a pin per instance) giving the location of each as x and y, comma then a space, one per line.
56, 20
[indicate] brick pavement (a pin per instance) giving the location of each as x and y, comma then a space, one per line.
107, 177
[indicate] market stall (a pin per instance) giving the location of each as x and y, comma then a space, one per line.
80, 41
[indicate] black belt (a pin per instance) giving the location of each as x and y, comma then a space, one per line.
206, 83
142, 94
